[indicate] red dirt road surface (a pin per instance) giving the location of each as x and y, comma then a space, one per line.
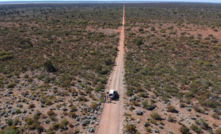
112, 115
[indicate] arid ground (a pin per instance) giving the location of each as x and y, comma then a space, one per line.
58, 61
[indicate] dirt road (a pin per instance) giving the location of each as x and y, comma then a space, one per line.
112, 115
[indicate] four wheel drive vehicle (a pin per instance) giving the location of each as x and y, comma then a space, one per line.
113, 94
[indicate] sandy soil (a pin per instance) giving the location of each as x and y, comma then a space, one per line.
112, 115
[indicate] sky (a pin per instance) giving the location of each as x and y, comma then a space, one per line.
202, 1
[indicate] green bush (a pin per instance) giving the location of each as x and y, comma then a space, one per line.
145, 103
31, 105
51, 113
9, 122
18, 111
29, 121
130, 128
73, 108
153, 121
5, 56
108, 62
48, 102
93, 105
142, 94
72, 114
184, 130
64, 121
218, 131
9, 130
11, 85
202, 124
215, 115
98, 68
152, 29
129, 93
171, 109
155, 116
195, 128
97, 89
49, 66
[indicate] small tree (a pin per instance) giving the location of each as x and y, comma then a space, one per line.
108, 62
49, 66
139, 42
9, 122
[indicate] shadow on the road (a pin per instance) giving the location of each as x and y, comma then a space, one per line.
116, 97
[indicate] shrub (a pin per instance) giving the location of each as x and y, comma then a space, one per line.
26, 76
9, 122
195, 128
184, 130
93, 105
171, 109
142, 94
98, 68
51, 113
97, 89
31, 106
40, 128
172, 32
5, 56
140, 29
64, 121
49, 66
155, 116
145, 103
153, 121
130, 128
148, 129
35, 117
11, 85
139, 42
55, 125
152, 29
48, 102
9, 130
218, 131
29, 121
108, 62
18, 111
129, 93
215, 116
199, 109
170, 118
202, 123
72, 114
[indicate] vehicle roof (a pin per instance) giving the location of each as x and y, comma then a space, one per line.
111, 91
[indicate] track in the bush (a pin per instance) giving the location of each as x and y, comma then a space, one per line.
112, 116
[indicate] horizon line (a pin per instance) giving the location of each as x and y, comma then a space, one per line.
98, 1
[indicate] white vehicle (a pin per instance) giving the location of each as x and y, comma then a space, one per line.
113, 94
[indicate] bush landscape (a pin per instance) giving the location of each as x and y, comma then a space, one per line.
172, 67
54, 64
56, 61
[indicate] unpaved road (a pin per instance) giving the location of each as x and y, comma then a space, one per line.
112, 115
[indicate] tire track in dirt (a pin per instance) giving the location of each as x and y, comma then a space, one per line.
112, 116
